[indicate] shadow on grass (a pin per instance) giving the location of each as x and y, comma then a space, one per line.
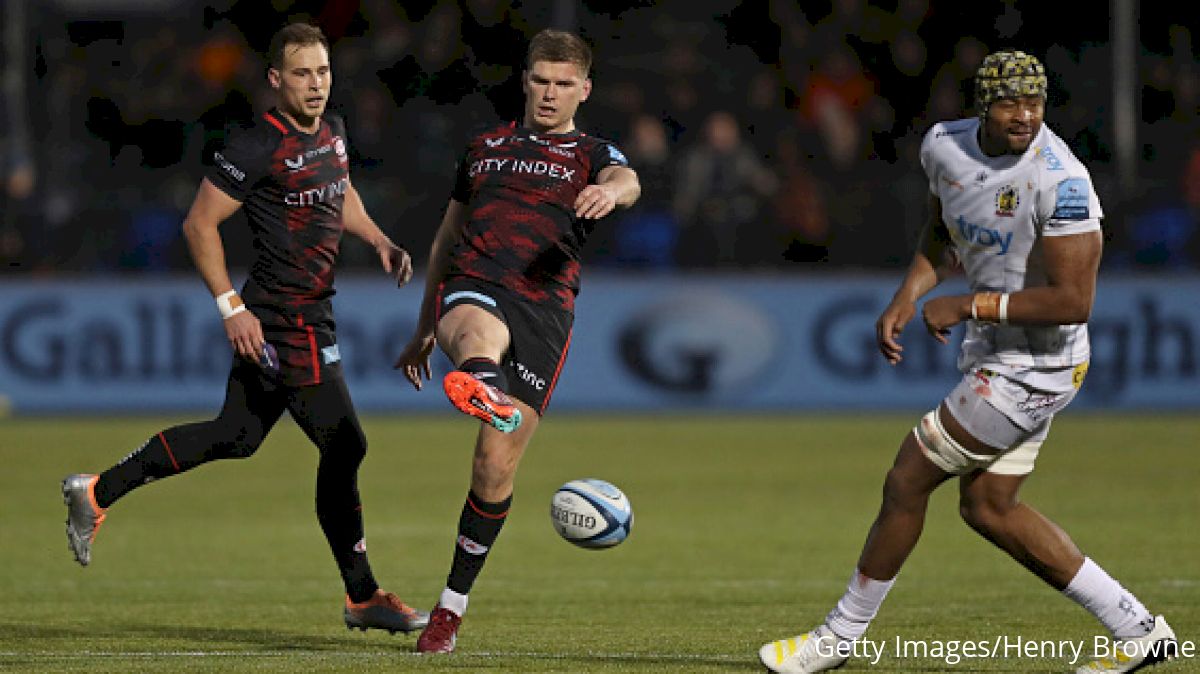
185, 637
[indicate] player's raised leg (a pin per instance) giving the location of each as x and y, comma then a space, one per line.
476, 340
484, 512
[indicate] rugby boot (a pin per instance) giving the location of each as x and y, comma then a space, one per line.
1130, 655
384, 611
804, 654
84, 515
482, 401
441, 632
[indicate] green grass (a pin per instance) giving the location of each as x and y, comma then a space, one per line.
746, 530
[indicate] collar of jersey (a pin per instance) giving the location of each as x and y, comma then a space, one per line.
287, 123
568, 135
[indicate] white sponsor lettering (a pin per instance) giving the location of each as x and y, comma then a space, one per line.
538, 167
319, 195
232, 170
528, 376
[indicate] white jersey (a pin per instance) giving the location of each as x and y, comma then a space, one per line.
997, 210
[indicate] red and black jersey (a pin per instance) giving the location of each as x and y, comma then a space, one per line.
291, 185
520, 188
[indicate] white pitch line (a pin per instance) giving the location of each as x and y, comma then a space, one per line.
633, 656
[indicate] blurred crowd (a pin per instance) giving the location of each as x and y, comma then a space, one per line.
766, 135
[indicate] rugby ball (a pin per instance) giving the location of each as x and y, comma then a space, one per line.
591, 513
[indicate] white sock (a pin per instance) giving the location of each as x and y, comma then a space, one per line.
1114, 606
855, 610
454, 601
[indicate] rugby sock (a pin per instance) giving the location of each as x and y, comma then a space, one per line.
1114, 606
343, 527
487, 371
855, 610
478, 527
153, 460
454, 601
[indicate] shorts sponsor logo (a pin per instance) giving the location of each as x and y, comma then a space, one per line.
361, 545
331, 354
530, 377
1039, 405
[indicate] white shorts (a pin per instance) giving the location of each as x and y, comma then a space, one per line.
1003, 412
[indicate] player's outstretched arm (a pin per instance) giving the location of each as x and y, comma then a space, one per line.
394, 259
414, 359
615, 186
1072, 262
201, 228
933, 262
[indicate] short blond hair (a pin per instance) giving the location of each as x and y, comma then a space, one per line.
559, 46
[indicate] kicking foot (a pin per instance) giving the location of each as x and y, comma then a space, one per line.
482, 401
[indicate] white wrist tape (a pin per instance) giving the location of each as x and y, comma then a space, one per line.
1003, 309
229, 304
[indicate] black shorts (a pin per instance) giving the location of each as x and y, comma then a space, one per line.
539, 335
308, 354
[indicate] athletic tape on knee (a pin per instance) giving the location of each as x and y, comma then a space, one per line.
943, 450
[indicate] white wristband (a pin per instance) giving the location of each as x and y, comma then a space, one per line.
1003, 313
229, 304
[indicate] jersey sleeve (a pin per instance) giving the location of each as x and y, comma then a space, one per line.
603, 155
240, 162
1069, 206
927, 163
462, 178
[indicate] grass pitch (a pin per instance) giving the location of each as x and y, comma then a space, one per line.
746, 530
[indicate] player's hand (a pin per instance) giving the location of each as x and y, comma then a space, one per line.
395, 261
245, 335
414, 359
943, 313
889, 326
595, 201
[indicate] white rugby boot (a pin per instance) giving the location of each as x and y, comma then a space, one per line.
1130, 655
816, 651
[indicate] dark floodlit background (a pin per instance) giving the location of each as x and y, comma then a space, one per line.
768, 134
776, 141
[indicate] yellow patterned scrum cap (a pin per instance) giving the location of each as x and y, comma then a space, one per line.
1008, 74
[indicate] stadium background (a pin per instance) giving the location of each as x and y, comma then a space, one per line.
747, 515
776, 144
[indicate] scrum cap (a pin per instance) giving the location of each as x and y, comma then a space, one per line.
1008, 74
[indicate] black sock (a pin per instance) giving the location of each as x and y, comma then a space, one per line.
487, 371
344, 531
478, 527
147, 463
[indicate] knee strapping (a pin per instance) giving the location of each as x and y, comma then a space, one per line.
943, 450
